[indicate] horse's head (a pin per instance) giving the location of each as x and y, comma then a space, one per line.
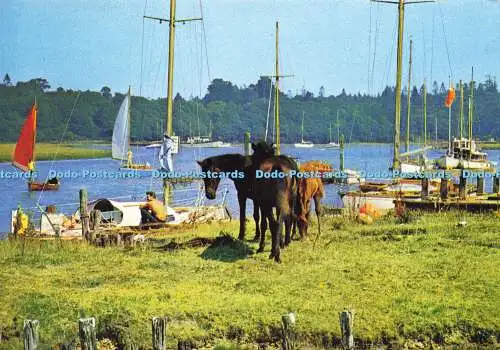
263, 150
211, 184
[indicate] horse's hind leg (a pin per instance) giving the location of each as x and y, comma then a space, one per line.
256, 217
317, 209
288, 230
242, 200
266, 214
278, 237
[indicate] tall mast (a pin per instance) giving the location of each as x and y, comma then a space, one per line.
449, 124
407, 144
277, 76
397, 118
170, 76
471, 111
277, 96
302, 129
425, 114
128, 119
461, 110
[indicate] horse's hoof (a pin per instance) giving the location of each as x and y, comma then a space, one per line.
260, 250
241, 237
271, 256
277, 260
255, 239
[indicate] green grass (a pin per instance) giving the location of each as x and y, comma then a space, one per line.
46, 151
490, 145
426, 282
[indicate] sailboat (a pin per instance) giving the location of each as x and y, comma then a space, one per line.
420, 163
120, 145
24, 153
205, 141
381, 194
330, 144
464, 153
302, 143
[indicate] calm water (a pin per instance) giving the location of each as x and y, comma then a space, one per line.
367, 157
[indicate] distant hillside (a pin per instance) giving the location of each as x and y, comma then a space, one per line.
233, 110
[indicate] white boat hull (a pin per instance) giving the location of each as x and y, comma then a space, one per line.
329, 145
154, 145
447, 163
303, 145
212, 144
354, 200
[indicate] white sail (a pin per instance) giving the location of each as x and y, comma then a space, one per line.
121, 143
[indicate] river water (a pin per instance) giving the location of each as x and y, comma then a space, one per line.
83, 173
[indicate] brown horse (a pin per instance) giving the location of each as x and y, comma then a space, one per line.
244, 186
279, 193
310, 188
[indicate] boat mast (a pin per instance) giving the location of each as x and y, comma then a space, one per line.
34, 143
407, 144
302, 129
425, 114
396, 165
449, 124
471, 109
276, 96
128, 120
170, 76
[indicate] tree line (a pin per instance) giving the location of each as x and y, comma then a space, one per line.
232, 110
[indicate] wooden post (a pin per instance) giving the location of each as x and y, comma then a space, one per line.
496, 184
159, 331
462, 186
480, 185
443, 190
346, 327
84, 215
30, 331
95, 219
425, 188
87, 333
184, 345
247, 146
288, 336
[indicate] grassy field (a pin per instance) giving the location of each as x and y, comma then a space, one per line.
46, 151
490, 145
419, 284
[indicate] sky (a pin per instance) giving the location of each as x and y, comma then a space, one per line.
351, 44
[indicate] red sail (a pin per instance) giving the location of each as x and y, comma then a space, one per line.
24, 152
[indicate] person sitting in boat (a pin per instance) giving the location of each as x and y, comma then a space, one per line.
129, 158
153, 210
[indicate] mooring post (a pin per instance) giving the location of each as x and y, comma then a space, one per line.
480, 185
496, 184
159, 331
184, 345
443, 189
288, 328
84, 215
88, 340
425, 188
346, 328
247, 145
462, 186
30, 331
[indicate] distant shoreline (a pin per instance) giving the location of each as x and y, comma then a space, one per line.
47, 151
